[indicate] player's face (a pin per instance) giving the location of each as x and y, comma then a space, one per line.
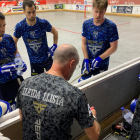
30, 13
98, 15
2, 27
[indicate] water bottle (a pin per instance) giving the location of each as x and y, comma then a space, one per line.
128, 115
18, 62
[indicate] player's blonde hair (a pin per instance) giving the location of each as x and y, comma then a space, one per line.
101, 4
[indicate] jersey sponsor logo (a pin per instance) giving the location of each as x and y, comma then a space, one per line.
95, 42
55, 99
31, 93
39, 107
38, 129
35, 44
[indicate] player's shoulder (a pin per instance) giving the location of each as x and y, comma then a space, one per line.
110, 23
21, 23
8, 37
41, 20
32, 79
76, 91
88, 22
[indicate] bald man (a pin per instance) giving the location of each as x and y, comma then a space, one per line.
48, 103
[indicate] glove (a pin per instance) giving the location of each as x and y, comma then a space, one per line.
83, 78
139, 77
21, 68
86, 68
11, 68
4, 107
8, 69
52, 49
96, 63
24, 67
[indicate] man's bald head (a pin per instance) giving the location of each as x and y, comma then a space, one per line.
64, 53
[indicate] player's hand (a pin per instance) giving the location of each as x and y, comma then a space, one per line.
24, 67
93, 111
96, 63
8, 69
139, 77
4, 107
86, 68
52, 49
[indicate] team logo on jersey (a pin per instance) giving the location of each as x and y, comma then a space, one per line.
32, 33
3, 51
35, 44
39, 107
94, 49
95, 34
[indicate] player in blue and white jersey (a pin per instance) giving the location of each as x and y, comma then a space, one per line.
99, 41
9, 80
33, 31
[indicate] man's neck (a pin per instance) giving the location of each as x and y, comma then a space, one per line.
98, 24
1, 39
30, 23
55, 72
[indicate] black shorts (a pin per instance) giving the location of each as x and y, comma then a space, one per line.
38, 68
94, 72
9, 90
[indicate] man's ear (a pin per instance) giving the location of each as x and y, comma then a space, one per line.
72, 63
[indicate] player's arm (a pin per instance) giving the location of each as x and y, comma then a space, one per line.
20, 114
55, 35
111, 50
93, 132
85, 118
113, 39
84, 47
17, 34
15, 40
86, 68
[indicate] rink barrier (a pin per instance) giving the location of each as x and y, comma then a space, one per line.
119, 10
107, 92
66, 10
